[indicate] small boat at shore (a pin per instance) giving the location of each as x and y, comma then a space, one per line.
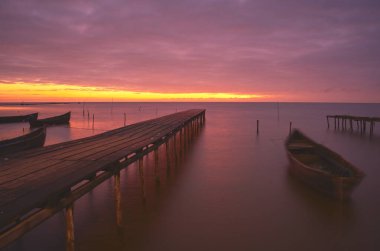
57, 120
18, 118
320, 167
31, 140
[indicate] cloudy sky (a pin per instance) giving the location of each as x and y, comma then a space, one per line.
270, 50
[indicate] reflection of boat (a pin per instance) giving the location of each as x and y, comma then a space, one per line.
320, 167
19, 118
57, 120
31, 140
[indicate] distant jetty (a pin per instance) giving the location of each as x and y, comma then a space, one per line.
340, 122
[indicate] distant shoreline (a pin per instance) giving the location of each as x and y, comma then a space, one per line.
38, 103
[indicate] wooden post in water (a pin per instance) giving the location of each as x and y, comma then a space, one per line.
290, 127
334, 122
180, 142
118, 210
175, 149
69, 215
278, 111
141, 173
156, 171
257, 127
93, 121
167, 157
351, 127
328, 122
125, 119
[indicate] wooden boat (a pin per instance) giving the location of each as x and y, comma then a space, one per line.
19, 118
57, 120
33, 139
320, 167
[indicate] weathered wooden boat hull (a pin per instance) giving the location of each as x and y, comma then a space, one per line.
57, 120
323, 169
28, 141
21, 118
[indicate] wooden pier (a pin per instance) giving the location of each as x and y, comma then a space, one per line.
36, 184
340, 122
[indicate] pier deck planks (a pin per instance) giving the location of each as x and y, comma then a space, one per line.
31, 179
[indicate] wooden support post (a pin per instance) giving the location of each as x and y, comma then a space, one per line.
175, 149
290, 127
88, 115
156, 167
117, 190
345, 123
351, 127
167, 156
141, 173
335, 123
125, 119
180, 141
328, 122
257, 127
70, 238
93, 121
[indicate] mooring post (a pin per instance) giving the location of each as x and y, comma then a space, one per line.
93, 120
290, 127
125, 119
257, 127
69, 215
88, 115
118, 210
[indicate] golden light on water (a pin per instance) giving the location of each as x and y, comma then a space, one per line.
22, 91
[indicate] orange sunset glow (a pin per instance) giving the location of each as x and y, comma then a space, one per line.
19, 92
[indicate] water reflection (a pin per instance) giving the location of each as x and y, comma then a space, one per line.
138, 192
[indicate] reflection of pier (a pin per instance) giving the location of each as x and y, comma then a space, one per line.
36, 184
343, 121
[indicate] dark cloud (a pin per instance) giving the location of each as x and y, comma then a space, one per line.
207, 45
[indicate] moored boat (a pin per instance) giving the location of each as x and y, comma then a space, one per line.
320, 167
18, 118
30, 140
57, 120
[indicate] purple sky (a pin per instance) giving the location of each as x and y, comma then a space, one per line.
311, 50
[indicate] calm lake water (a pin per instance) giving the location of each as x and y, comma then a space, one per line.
230, 191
